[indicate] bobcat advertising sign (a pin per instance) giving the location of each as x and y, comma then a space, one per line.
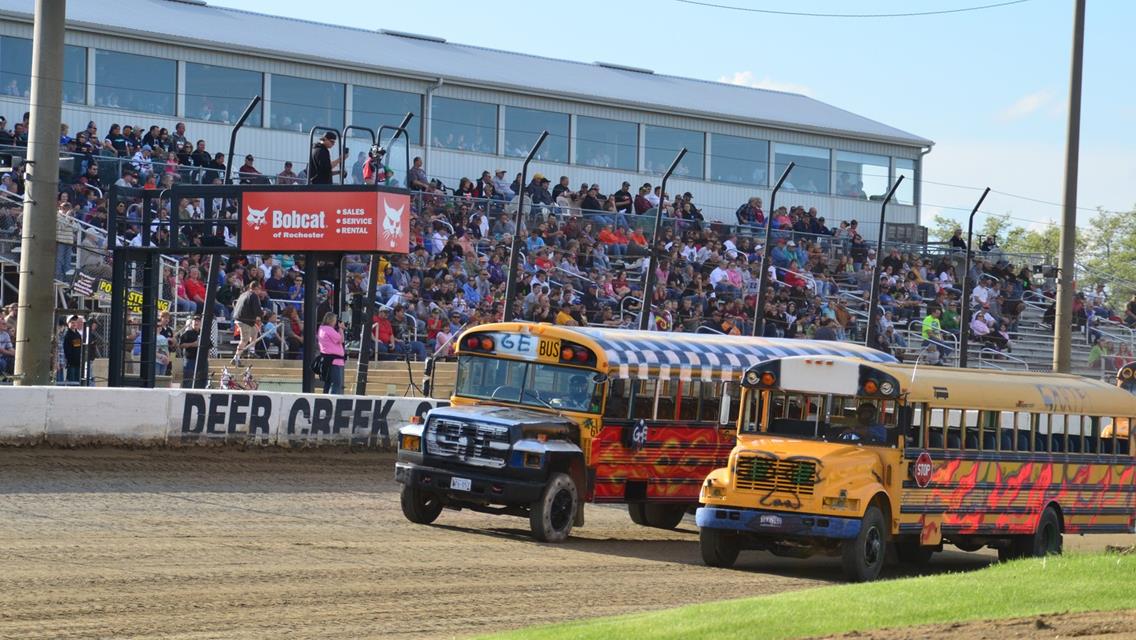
330, 220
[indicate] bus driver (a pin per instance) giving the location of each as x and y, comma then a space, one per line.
866, 429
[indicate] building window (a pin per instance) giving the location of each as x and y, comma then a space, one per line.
523, 127
905, 194
863, 176
220, 94
739, 160
611, 144
812, 170
16, 70
377, 107
118, 84
664, 143
464, 125
298, 104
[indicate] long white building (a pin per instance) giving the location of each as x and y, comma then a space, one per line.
144, 62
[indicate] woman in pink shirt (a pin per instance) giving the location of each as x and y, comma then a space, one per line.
331, 346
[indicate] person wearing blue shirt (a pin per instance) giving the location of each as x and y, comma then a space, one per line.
866, 429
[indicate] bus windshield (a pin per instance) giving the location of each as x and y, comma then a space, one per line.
544, 386
829, 418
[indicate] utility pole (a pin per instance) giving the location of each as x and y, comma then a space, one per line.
35, 323
1062, 330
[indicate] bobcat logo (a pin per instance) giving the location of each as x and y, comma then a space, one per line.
392, 223
256, 217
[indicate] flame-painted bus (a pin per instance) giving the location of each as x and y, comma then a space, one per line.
545, 418
851, 458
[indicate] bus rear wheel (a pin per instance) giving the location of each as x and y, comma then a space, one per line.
1046, 540
638, 513
863, 556
719, 548
664, 516
909, 551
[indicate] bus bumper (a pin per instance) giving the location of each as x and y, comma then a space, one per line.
777, 523
483, 488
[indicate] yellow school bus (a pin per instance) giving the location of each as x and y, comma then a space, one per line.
849, 458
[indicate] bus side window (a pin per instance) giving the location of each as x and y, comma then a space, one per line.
667, 392
954, 424
1041, 440
969, 429
711, 401
734, 391
1020, 439
688, 411
916, 434
988, 429
935, 429
618, 390
643, 403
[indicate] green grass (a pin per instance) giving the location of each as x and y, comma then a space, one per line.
1022, 588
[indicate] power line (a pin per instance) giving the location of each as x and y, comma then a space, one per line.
852, 15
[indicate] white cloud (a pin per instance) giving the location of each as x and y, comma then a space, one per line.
747, 79
1026, 105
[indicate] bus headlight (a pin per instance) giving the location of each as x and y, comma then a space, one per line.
841, 503
410, 443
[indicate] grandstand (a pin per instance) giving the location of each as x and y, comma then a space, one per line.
590, 201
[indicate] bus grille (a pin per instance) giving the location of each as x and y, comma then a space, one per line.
766, 474
477, 444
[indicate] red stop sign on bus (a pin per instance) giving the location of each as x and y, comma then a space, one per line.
921, 470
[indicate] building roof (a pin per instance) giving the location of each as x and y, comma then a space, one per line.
193, 22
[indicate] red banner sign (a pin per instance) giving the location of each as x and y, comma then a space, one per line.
363, 221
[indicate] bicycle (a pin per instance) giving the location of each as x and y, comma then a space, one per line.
229, 382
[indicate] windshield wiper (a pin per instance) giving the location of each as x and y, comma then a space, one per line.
536, 396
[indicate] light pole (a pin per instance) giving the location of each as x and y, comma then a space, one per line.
515, 253
653, 248
871, 338
964, 330
762, 283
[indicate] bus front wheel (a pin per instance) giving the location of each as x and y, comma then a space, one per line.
420, 507
551, 516
863, 556
719, 548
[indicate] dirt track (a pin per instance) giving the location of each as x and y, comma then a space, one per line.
239, 544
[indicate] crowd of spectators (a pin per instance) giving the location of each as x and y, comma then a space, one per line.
583, 258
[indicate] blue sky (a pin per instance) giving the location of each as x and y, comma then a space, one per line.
989, 87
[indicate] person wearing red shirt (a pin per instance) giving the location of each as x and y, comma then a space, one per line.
614, 246
195, 289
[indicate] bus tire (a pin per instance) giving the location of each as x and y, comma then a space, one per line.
664, 516
719, 548
863, 556
909, 551
551, 516
638, 513
1046, 540
420, 507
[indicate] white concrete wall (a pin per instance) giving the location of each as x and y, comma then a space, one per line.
179, 417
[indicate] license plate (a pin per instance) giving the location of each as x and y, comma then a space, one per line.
460, 484
770, 521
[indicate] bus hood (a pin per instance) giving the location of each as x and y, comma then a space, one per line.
836, 461
522, 423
